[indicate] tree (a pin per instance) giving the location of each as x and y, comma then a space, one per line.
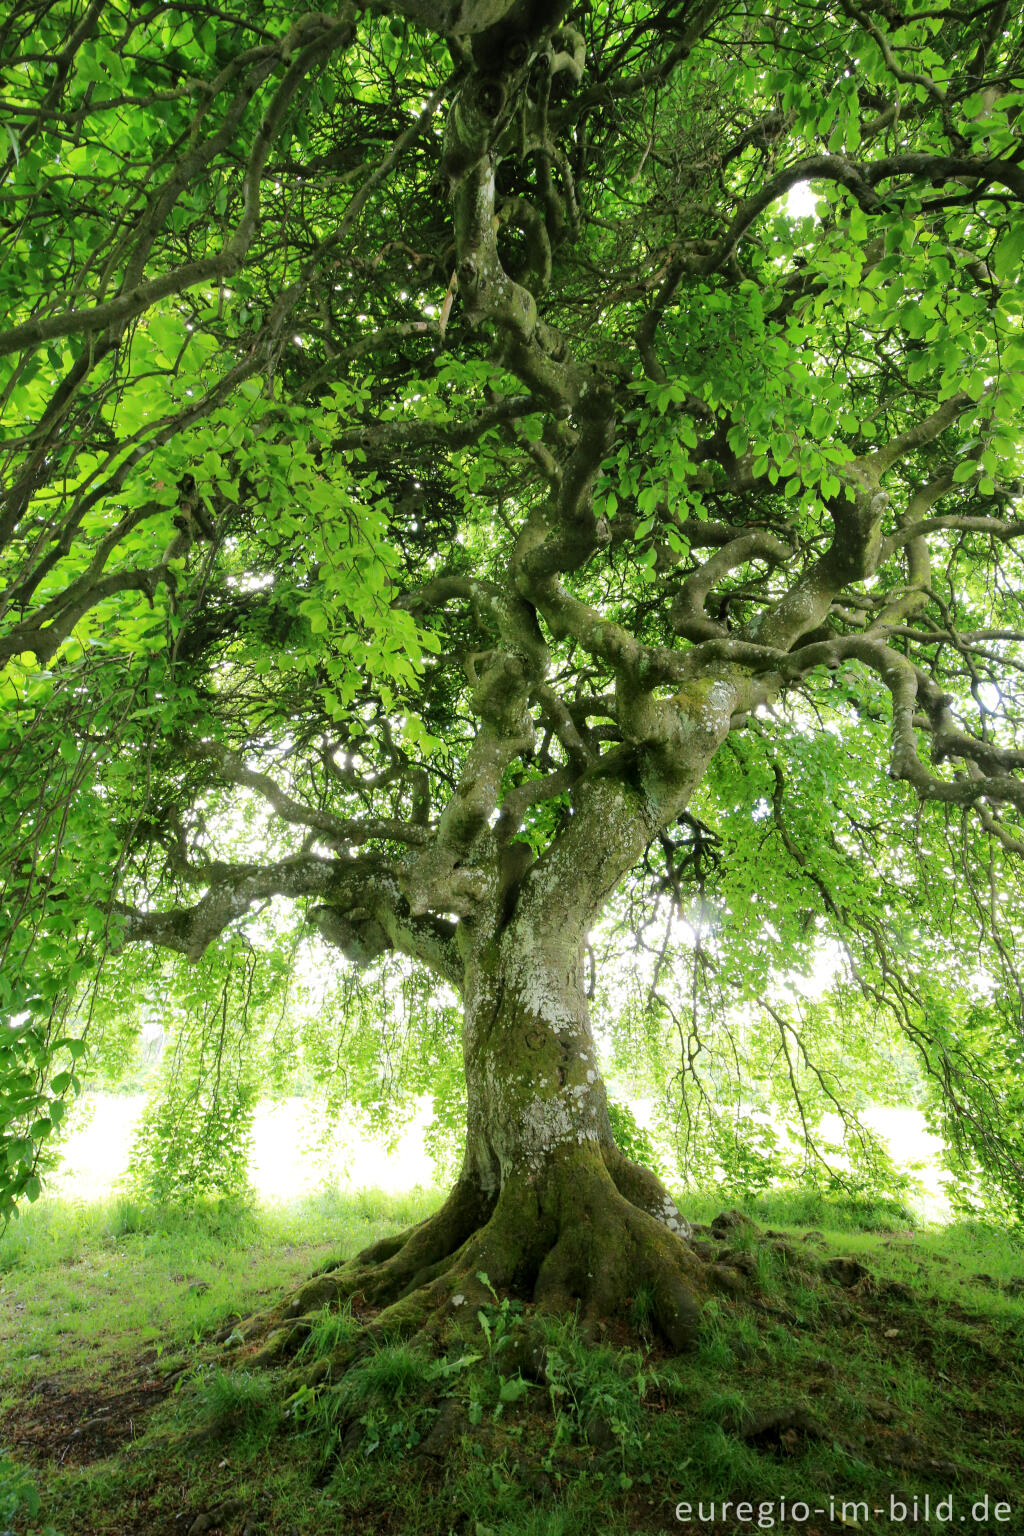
440, 426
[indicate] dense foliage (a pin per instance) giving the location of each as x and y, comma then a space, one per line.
418, 416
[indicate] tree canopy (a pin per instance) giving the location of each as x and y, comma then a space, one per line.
471, 468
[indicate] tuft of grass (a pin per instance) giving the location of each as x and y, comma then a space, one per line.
330, 1330
389, 1373
380, 1405
235, 1403
641, 1311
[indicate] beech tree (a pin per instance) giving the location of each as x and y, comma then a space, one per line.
533, 452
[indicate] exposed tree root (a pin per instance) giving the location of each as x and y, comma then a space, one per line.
589, 1234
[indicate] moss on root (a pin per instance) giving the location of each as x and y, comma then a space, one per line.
584, 1237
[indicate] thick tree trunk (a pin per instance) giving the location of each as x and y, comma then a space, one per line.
533, 1087
573, 1220
546, 1206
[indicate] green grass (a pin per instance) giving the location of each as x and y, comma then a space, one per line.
812, 1208
912, 1382
330, 1330
86, 1285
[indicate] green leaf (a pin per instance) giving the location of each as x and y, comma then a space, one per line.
513, 1389
1008, 256
76, 1048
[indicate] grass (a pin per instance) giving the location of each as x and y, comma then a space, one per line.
88, 1284
813, 1208
802, 1389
